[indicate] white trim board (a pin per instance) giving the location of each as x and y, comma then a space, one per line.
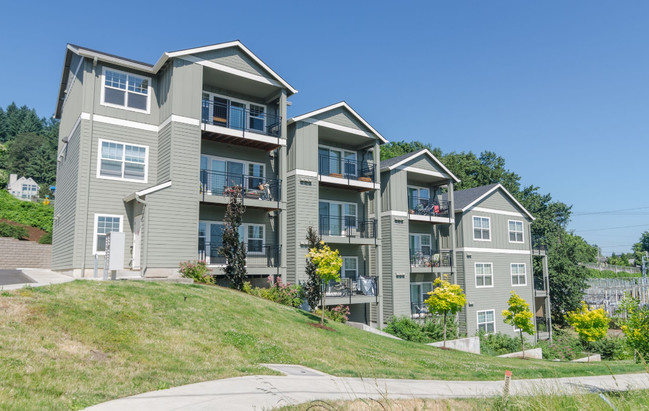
303, 173
417, 154
494, 211
511, 197
230, 70
333, 126
492, 250
138, 125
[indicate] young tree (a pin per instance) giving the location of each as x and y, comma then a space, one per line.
328, 263
520, 316
591, 325
445, 299
636, 330
313, 287
233, 249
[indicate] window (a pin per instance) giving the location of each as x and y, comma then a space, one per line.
484, 275
420, 244
237, 114
486, 321
125, 90
218, 174
210, 239
105, 224
515, 231
418, 197
481, 229
350, 268
518, 274
255, 239
337, 161
419, 294
337, 218
121, 161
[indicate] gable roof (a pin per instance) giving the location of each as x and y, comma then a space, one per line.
154, 68
465, 199
394, 162
344, 105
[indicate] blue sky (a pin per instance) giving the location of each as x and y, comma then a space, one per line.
560, 89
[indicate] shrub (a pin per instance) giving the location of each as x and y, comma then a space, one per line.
25, 212
498, 344
406, 329
278, 292
612, 348
433, 327
45, 239
636, 329
565, 346
14, 231
197, 271
339, 313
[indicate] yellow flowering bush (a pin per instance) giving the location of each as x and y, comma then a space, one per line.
328, 264
445, 299
590, 325
520, 316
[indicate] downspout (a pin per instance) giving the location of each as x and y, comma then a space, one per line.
145, 249
92, 126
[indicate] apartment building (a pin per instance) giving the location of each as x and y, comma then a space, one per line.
153, 150
333, 185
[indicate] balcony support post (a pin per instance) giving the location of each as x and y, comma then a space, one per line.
451, 229
377, 236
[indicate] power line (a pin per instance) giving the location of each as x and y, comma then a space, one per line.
611, 228
610, 211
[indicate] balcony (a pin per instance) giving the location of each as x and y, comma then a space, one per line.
541, 286
258, 256
543, 331
347, 229
427, 261
539, 246
352, 291
262, 192
423, 209
340, 172
227, 123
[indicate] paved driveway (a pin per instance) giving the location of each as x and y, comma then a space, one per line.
9, 277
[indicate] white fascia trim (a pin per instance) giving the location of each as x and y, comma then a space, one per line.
418, 153
304, 173
494, 211
235, 43
430, 219
231, 70
74, 79
179, 119
335, 106
125, 123
338, 127
493, 250
153, 189
394, 213
416, 170
250, 135
69, 136
354, 183
85, 116
111, 59
477, 200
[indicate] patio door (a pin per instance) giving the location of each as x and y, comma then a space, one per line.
237, 115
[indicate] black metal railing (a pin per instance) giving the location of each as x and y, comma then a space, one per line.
542, 325
424, 206
346, 169
541, 283
347, 226
239, 118
222, 183
539, 244
349, 287
430, 259
258, 255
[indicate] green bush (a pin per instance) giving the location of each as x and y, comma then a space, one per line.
498, 344
14, 231
45, 239
279, 292
611, 348
197, 271
592, 273
565, 346
433, 327
25, 212
339, 313
406, 329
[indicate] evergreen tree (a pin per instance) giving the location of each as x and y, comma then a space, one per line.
313, 287
233, 249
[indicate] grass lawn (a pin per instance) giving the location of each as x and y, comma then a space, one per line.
77, 344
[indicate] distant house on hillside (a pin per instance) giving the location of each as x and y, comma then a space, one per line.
23, 188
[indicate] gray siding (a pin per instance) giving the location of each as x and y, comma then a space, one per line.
396, 266
341, 117
74, 101
233, 57
164, 154
499, 231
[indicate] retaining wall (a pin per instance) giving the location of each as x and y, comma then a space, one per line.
24, 254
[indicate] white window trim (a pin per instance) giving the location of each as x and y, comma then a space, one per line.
94, 236
477, 317
511, 273
247, 103
343, 151
509, 231
343, 266
243, 226
343, 203
125, 107
430, 237
146, 162
475, 268
246, 163
473, 232
421, 283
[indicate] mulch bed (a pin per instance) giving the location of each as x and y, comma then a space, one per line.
33, 233
324, 327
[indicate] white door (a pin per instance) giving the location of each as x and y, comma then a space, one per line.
137, 242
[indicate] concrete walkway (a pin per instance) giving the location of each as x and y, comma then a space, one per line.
302, 385
39, 278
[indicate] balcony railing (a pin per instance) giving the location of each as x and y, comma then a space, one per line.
257, 255
349, 287
424, 206
539, 244
345, 169
541, 283
429, 259
221, 183
348, 226
239, 118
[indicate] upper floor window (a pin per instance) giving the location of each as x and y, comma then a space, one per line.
484, 275
125, 90
349, 268
487, 321
122, 161
515, 231
333, 161
418, 197
518, 274
481, 229
237, 114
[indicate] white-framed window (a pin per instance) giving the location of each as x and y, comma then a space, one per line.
519, 276
121, 161
484, 275
233, 113
220, 173
482, 228
125, 90
419, 294
349, 268
421, 244
487, 321
210, 238
104, 224
515, 231
254, 238
333, 160
418, 197
337, 217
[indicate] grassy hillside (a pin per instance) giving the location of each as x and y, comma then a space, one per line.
25, 212
81, 343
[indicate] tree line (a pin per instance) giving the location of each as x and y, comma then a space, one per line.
28, 145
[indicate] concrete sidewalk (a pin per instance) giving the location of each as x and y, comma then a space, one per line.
40, 277
266, 392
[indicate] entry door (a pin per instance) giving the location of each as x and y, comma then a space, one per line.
137, 241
